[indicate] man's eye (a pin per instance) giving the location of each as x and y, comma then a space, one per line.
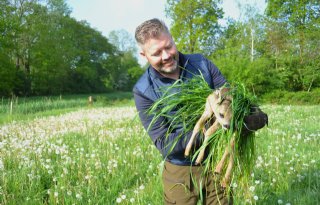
221, 115
156, 54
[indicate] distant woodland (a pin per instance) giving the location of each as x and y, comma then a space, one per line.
45, 51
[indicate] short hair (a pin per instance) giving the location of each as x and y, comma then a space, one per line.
150, 29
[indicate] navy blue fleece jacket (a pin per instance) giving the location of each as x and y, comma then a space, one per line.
148, 89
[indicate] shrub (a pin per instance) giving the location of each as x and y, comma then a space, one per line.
296, 98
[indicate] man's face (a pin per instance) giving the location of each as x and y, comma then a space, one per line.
162, 54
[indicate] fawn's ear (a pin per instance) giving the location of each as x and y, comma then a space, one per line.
217, 95
224, 94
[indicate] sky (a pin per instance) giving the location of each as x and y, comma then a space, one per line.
108, 15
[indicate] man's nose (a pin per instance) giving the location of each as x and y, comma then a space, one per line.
165, 55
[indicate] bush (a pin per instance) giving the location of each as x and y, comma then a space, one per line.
296, 98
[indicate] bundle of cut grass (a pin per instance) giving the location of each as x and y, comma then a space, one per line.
183, 103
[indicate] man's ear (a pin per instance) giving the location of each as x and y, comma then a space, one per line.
142, 53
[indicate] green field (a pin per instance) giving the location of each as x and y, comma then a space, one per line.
72, 153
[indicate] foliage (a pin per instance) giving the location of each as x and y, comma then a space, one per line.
123, 41
293, 98
234, 58
274, 51
299, 21
44, 51
195, 24
53, 53
7, 75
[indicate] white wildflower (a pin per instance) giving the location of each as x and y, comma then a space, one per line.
141, 187
118, 200
78, 196
1, 165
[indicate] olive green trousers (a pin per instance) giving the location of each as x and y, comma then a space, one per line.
186, 185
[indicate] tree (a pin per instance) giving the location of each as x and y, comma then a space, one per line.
301, 20
88, 54
128, 66
123, 41
195, 25
238, 63
7, 69
52, 52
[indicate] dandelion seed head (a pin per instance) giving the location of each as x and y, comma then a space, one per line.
1, 165
141, 187
118, 200
79, 196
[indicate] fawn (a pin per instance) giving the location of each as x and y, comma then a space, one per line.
218, 107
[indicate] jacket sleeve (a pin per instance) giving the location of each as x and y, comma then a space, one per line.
168, 144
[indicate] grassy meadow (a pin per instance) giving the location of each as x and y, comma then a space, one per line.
60, 150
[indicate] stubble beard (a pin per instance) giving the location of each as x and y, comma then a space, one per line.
172, 69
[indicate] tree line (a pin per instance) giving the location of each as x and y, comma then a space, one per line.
44, 51
278, 50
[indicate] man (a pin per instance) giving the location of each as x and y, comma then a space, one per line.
183, 184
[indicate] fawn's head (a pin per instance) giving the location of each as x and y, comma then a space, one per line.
221, 104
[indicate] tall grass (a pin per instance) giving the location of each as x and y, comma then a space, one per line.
21, 107
102, 155
183, 103
83, 157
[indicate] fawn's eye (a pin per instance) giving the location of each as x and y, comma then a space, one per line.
221, 115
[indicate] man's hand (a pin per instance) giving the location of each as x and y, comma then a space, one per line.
255, 120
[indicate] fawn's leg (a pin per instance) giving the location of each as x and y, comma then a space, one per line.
226, 180
199, 125
221, 163
208, 133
